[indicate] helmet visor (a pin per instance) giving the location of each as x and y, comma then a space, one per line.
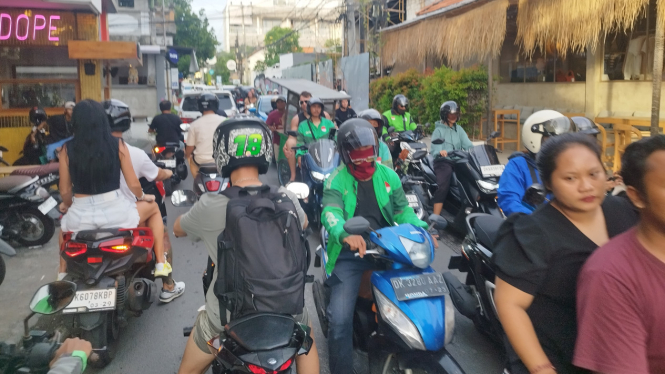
552, 127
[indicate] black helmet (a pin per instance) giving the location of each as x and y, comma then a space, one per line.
274, 100
242, 140
353, 134
164, 105
208, 101
120, 119
37, 116
373, 114
449, 107
400, 100
585, 126
314, 101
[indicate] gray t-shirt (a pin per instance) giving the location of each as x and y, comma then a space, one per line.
205, 221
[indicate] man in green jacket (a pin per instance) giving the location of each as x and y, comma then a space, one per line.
398, 117
454, 139
360, 187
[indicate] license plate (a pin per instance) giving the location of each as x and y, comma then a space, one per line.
47, 205
92, 300
413, 200
169, 164
492, 170
419, 286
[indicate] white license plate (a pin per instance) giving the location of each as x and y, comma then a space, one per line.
413, 201
492, 170
47, 205
169, 163
92, 300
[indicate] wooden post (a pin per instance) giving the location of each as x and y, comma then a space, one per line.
657, 69
490, 82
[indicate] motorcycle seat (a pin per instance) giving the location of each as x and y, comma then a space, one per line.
49, 168
15, 183
208, 168
101, 234
171, 144
486, 228
250, 331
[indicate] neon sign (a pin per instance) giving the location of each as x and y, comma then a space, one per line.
23, 27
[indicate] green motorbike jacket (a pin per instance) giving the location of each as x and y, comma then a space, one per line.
399, 122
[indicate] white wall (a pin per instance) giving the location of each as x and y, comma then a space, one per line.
142, 100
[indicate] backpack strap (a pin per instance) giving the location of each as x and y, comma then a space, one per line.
309, 123
534, 174
220, 282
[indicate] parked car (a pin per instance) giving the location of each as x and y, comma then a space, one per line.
189, 108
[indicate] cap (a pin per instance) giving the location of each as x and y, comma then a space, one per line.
70, 105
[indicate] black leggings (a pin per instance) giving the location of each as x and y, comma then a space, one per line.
443, 170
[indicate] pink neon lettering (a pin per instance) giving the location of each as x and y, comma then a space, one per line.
51, 28
27, 27
9, 32
40, 27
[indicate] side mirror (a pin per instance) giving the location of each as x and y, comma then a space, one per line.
356, 226
301, 190
181, 198
53, 297
391, 129
438, 222
332, 133
252, 110
495, 134
438, 141
292, 133
535, 195
185, 126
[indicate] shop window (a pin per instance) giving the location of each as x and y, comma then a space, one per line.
126, 3
45, 95
269, 24
629, 55
134, 75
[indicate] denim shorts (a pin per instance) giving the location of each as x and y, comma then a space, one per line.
103, 211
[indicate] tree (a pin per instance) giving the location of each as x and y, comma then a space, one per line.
220, 66
260, 66
279, 41
333, 45
193, 31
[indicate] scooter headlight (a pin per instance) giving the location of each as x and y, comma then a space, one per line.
420, 253
487, 187
398, 321
319, 176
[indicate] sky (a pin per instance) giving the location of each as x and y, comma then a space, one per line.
214, 10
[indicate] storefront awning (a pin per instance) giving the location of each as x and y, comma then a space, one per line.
127, 52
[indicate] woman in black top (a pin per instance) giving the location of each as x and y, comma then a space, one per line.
538, 257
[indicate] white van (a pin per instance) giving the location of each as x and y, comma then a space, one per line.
189, 107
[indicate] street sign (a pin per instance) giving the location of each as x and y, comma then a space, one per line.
173, 56
219, 80
231, 65
174, 79
211, 72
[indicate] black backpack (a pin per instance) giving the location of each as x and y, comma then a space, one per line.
261, 254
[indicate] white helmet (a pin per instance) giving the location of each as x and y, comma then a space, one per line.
544, 123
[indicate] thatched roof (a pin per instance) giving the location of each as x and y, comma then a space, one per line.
573, 24
473, 35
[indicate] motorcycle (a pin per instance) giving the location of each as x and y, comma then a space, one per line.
26, 209
49, 177
409, 318
208, 180
37, 348
5, 249
317, 164
172, 157
112, 269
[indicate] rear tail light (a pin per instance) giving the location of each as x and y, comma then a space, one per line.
259, 370
212, 185
159, 149
256, 369
286, 365
73, 249
95, 260
116, 246
186, 120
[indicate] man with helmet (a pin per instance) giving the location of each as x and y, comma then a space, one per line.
166, 125
276, 120
207, 219
199, 147
359, 187
378, 122
344, 111
120, 120
398, 117
34, 146
521, 172
585, 126
454, 139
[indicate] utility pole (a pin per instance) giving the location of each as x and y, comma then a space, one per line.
244, 38
657, 70
239, 64
166, 61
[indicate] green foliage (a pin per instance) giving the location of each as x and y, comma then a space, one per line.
260, 66
193, 31
333, 45
220, 66
280, 41
426, 92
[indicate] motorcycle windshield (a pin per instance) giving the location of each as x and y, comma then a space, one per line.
323, 154
484, 155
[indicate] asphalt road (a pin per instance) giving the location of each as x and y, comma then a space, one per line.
154, 342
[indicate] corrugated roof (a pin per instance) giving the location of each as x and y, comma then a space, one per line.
317, 90
436, 6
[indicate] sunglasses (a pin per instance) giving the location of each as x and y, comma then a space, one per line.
304, 102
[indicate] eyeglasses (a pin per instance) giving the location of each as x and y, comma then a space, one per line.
304, 102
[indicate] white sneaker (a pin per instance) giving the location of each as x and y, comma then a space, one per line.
168, 296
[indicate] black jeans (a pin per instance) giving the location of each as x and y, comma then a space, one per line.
443, 169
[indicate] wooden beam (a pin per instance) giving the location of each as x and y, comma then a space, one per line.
99, 50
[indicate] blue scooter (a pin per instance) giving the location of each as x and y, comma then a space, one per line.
408, 318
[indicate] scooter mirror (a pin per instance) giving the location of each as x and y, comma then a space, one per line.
53, 297
438, 222
356, 226
301, 190
184, 126
181, 198
495, 134
438, 141
252, 110
535, 195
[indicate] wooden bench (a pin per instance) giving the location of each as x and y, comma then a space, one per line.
500, 121
625, 132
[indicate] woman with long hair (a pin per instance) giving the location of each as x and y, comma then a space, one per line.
251, 99
90, 166
538, 257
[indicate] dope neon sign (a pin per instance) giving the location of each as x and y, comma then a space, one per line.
21, 27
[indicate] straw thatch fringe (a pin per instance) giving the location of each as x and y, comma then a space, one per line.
572, 24
468, 37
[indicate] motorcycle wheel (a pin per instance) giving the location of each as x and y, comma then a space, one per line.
320, 304
283, 172
3, 269
101, 337
36, 228
168, 187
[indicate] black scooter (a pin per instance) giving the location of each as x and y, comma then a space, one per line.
172, 157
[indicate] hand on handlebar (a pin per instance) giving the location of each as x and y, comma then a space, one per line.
443, 153
148, 198
70, 345
356, 243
